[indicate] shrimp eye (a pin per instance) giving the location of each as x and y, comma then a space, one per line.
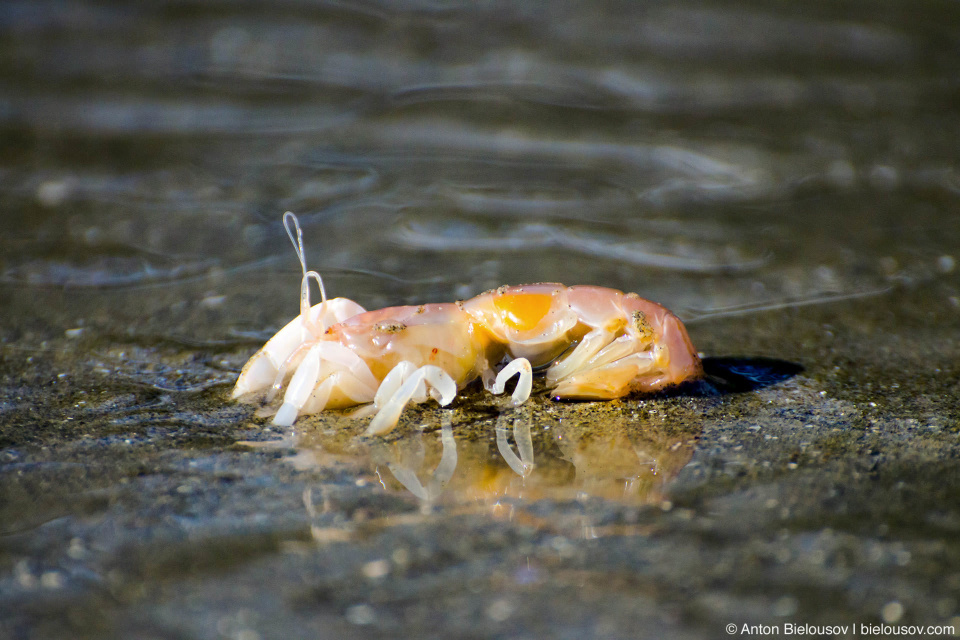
523, 311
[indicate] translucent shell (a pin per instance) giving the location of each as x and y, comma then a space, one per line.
442, 335
531, 321
594, 343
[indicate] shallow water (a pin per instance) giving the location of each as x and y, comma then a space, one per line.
783, 176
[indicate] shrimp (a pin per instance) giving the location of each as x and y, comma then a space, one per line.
593, 343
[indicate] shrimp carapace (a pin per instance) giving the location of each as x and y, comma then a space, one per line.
594, 343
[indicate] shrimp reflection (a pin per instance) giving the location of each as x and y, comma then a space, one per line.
527, 456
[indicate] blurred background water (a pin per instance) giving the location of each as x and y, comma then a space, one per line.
708, 157
724, 159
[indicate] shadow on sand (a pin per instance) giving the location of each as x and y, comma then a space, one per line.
739, 374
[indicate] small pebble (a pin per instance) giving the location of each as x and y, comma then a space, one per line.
892, 612
376, 569
361, 614
51, 580
53, 193
499, 610
785, 606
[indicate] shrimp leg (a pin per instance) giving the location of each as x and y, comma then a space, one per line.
591, 344
410, 390
300, 388
329, 361
521, 367
609, 374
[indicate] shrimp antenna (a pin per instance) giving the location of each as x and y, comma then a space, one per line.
290, 218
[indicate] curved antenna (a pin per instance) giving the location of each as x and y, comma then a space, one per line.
290, 218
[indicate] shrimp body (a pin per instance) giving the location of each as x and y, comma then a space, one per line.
622, 343
594, 343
